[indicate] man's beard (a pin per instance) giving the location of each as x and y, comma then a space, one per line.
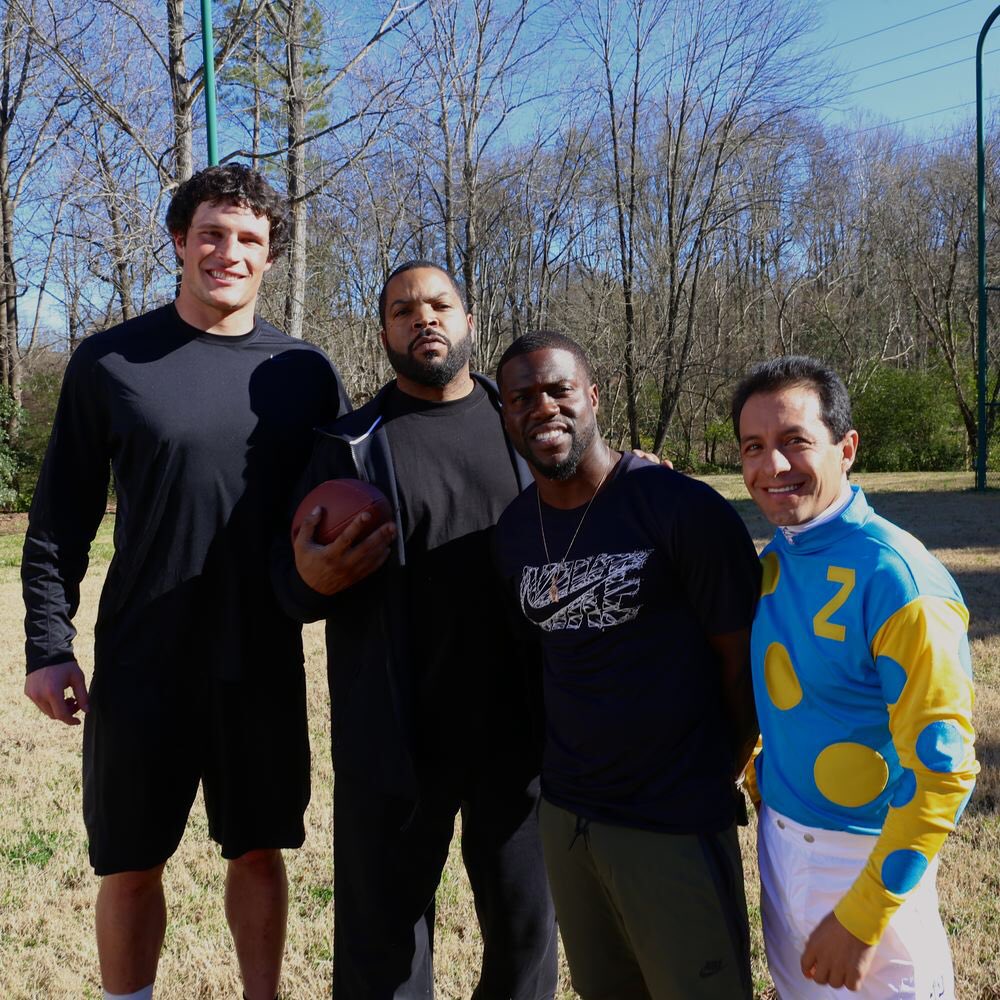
566, 469
434, 374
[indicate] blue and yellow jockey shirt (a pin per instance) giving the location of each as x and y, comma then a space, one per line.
864, 693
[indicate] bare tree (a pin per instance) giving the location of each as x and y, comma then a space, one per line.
69, 36
619, 37
301, 95
928, 227
29, 130
477, 62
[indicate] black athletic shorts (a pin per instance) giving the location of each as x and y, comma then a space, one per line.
155, 730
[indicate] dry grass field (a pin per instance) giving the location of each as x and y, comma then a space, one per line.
47, 888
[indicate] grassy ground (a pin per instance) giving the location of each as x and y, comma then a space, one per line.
47, 889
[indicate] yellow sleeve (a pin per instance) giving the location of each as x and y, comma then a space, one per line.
919, 654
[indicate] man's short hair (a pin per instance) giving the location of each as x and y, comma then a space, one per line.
547, 340
793, 371
412, 265
232, 184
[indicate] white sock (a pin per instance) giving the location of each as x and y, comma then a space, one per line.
146, 993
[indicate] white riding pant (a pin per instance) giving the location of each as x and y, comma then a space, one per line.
804, 873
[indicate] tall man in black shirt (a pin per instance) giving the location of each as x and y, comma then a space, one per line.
427, 687
203, 413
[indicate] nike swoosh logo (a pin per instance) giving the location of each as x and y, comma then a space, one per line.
567, 601
607, 589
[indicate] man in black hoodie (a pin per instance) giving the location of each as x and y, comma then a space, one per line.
429, 695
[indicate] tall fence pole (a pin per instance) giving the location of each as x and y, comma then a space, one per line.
208, 46
981, 444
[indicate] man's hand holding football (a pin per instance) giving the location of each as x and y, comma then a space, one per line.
348, 559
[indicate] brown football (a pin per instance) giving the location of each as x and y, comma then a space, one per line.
342, 500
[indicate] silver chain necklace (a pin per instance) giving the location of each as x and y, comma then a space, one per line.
553, 586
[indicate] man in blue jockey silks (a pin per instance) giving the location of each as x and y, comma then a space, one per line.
864, 692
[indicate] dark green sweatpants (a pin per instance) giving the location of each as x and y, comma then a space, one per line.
648, 916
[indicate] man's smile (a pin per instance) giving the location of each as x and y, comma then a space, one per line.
549, 434
227, 277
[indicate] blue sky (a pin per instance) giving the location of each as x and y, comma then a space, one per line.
943, 24
906, 37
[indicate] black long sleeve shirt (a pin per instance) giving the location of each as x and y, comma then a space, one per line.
205, 436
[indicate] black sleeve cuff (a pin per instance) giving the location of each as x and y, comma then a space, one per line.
49, 660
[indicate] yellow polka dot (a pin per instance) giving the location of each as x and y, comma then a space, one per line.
779, 676
850, 774
771, 571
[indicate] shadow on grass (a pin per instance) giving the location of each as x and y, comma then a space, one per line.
980, 587
944, 520
940, 519
758, 526
965, 523
985, 799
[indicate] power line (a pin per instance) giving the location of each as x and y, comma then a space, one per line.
924, 114
919, 72
915, 52
928, 142
899, 24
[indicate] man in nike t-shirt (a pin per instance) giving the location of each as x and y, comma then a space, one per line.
640, 584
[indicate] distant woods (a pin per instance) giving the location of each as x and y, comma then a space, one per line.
652, 176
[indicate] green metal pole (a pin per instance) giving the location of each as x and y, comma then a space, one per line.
208, 46
981, 449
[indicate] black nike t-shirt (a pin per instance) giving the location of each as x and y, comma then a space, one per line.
455, 476
635, 729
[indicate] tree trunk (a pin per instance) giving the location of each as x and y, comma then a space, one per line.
8, 274
74, 326
9, 346
623, 212
258, 108
180, 91
471, 249
296, 105
120, 277
449, 197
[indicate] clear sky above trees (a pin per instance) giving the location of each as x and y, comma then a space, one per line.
926, 47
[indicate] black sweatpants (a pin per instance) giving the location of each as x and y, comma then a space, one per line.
388, 858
